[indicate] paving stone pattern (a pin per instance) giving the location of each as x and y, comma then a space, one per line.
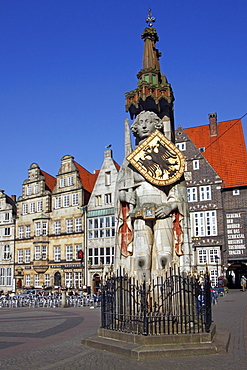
57, 343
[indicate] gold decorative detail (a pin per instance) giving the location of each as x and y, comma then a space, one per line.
158, 160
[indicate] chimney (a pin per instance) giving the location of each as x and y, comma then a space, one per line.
13, 197
213, 124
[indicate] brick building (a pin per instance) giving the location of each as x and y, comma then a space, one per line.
217, 192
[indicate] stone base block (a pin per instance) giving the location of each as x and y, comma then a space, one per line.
143, 347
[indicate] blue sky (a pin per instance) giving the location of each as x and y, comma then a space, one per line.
66, 64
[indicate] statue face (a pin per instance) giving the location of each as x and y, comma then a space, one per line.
145, 126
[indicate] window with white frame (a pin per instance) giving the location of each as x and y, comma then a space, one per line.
235, 192
28, 231
21, 232
78, 280
24, 209
58, 202
181, 146
28, 280
36, 280
47, 279
101, 255
101, 227
29, 189
70, 180
20, 256
6, 252
78, 247
205, 192
202, 256
44, 252
36, 188
213, 278
57, 254
192, 194
66, 200
204, 223
8, 276
37, 228
69, 252
27, 255
2, 276
40, 206
108, 178
108, 198
211, 223
37, 253
195, 164
78, 225
44, 228
6, 216
69, 225
75, 199
98, 200
209, 256
7, 231
68, 279
57, 227
214, 256
32, 207
62, 182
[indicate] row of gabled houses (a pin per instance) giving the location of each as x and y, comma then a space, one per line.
61, 231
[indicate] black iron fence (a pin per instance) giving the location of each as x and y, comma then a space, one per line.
171, 304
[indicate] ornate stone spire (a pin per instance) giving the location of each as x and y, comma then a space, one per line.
153, 93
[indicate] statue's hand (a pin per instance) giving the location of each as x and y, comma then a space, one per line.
163, 211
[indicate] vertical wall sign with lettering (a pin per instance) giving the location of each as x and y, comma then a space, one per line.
235, 234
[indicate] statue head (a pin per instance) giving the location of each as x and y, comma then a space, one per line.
145, 123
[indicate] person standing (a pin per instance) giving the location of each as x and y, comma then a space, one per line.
243, 283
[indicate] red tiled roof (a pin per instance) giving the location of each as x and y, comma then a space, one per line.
87, 178
50, 181
116, 165
226, 152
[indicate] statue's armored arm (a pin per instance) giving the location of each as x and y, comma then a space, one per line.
166, 209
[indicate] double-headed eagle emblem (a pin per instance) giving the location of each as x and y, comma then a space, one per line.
158, 160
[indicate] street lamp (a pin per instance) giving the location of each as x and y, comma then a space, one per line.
217, 269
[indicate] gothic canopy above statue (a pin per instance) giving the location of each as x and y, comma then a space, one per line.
153, 93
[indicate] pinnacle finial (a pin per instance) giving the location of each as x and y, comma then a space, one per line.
150, 19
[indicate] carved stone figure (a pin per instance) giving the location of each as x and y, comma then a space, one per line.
153, 223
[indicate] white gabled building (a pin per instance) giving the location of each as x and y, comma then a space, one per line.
101, 223
7, 242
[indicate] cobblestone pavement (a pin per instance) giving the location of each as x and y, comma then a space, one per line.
50, 339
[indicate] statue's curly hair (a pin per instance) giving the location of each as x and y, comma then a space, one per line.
154, 118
